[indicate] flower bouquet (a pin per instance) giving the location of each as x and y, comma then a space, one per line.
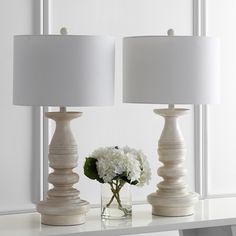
117, 168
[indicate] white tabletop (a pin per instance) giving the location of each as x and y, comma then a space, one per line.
208, 213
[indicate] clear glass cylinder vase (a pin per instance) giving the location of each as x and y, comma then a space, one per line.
116, 200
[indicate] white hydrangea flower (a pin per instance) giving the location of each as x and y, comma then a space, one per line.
112, 162
145, 170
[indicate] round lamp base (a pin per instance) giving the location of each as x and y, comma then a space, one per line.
63, 214
173, 206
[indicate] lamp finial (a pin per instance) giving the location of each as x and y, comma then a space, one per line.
63, 31
170, 32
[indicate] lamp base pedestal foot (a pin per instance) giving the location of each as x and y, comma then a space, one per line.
56, 214
173, 206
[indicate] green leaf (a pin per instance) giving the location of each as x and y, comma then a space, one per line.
90, 169
134, 182
124, 175
124, 178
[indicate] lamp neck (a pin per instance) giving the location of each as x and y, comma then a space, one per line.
62, 109
171, 106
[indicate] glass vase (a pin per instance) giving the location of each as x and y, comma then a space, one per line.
116, 200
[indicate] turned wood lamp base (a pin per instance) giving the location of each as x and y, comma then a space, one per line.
63, 205
173, 206
56, 214
172, 197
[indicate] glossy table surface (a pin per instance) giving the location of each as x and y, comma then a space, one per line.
208, 213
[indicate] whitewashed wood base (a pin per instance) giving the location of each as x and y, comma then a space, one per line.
173, 206
63, 205
172, 197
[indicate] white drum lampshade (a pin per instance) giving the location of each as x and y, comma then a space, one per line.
63, 70
171, 70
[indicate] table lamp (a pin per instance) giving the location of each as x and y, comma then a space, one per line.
171, 70
63, 70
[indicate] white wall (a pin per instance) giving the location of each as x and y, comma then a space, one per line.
17, 174
133, 125
136, 126
221, 20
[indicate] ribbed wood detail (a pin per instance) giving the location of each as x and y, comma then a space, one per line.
63, 200
172, 197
